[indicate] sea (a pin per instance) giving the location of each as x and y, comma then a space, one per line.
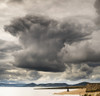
30, 91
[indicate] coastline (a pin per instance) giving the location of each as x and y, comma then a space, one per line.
74, 92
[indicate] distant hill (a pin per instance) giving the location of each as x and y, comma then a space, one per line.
42, 85
11, 85
53, 85
81, 84
30, 85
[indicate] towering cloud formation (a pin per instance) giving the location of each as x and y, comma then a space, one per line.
68, 46
42, 39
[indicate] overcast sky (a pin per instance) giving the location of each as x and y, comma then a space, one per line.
49, 41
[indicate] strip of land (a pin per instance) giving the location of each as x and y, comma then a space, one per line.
68, 87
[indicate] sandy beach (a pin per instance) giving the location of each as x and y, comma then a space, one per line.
74, 92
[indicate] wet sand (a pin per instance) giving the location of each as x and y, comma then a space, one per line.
74, 92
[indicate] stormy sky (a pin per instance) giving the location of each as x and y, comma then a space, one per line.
49, 41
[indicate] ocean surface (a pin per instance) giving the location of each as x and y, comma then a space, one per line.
29, 91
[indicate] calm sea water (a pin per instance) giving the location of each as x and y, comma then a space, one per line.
15, 91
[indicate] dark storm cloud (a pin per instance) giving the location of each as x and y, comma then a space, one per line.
42, 39
97, 3
15, 1
85, 53
39, 25
97, 6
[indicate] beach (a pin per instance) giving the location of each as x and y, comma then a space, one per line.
74, 92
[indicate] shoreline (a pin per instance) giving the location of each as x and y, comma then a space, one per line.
74, 92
